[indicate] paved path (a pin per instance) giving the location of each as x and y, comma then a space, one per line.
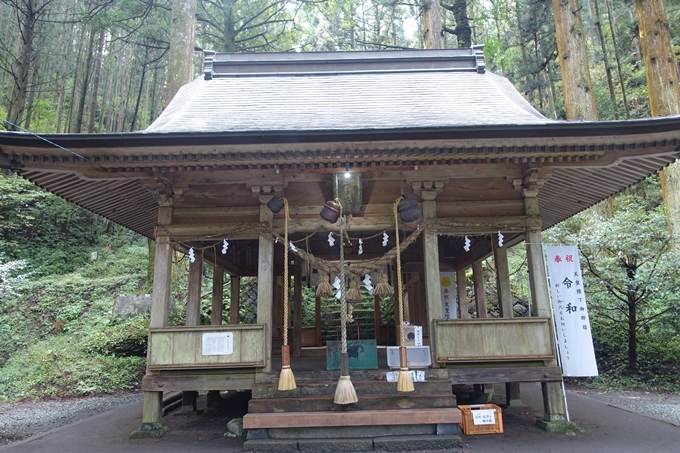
602, 429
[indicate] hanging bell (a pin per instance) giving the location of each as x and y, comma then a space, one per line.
409, 210
275, 204
330, 212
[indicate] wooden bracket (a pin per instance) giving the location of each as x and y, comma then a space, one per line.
428, 190
267, 191
530, 184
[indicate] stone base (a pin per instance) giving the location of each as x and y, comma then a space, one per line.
515, 403
270, 445
557, 426
149, 431
422, 443
417, 443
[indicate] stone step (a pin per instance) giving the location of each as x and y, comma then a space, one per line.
366, 402
352, 418
325, 388
392, 443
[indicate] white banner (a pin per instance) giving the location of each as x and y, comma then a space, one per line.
449, 305
571, 312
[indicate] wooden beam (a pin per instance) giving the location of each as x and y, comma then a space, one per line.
433, 297
193, 315
480, 290
203, 381
235, 304
217, 296
376, 319
352, 418
317, 319
503, 281
297, 309
458, 225
461, 289
265, 283
160, 305
500, 375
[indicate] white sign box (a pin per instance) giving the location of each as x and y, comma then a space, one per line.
484, 417
218, 343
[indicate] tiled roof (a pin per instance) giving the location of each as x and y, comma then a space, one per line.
347, 99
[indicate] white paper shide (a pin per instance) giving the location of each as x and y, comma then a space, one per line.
571, 312
218, 343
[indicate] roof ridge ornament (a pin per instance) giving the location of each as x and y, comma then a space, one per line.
479, 58
208, 60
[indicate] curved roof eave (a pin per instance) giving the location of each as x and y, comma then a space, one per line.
616, 131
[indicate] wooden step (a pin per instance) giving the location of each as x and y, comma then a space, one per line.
361, 387
366, 402
353, 418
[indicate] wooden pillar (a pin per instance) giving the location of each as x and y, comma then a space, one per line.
162, 274
538, 280
461, 289
500, 258
160, 309
376, 319
431, 261
217, 296
297, 309
480, 291
235, 304
553, 404
317, 320
193, 316
265, 281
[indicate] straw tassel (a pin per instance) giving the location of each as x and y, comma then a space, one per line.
404, 381
354, 293
344, 392
286, 379
324, 288
383, 288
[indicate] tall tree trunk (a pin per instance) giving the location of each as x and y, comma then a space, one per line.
632, 333
95, 87
80, 112
181, 53
462, 31
22, 67
657, 51
432, 25
610, 17
139, 98
608, 70
662, 85
573, 56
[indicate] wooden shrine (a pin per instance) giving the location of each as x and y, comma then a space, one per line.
433, 126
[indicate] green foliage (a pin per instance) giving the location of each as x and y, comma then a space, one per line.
59, 367
631, 279
129, 338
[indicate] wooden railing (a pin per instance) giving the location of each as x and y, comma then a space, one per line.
493, 340
226, 346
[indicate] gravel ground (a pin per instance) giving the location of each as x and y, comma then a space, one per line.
25, 419
663, 406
